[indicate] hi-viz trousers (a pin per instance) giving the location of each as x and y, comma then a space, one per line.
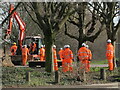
24, 59
110, 62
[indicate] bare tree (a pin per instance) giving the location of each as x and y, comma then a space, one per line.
86, 28
50, 17
108, 11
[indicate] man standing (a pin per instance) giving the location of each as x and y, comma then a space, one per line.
61, 54
89, 57
13, 49
110, 54
83, 57
42, 53
55, 58
25, 53
67, 59
32, 47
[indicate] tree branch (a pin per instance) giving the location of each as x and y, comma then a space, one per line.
73, 22
71, 36
92, 38
10, 14
30, 15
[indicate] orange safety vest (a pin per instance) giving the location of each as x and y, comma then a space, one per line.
55, 60
61, 54
42, 54
110, 50
25, 51
32, 47
83, 53
13, 49
89, 54
67, 55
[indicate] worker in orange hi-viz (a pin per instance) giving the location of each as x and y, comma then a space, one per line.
110, 54
13, 49
42, 53
61, 54
32, 47
55, 58
67, 59
89, 58
83, 57
25, 53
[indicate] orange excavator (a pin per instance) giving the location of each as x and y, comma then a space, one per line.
33, 59
21, 26
22, 39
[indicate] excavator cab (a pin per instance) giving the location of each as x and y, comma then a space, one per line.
38, 41
16, 59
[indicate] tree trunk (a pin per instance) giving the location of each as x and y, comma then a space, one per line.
48, 53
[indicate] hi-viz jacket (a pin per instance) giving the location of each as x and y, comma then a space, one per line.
83, 53
13, 49
42, 54
25, 53
110, 56
109, 50
55, 60
61, 54
67, 55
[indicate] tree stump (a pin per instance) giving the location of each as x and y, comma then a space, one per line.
102, 74
57, 77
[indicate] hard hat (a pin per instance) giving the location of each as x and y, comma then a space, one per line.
54, 46
83, 44
87, 46
42, 46
67, 46
25, 45
61, 48
14, 43
109, 41
64, 46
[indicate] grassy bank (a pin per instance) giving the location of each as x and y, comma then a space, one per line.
16, 77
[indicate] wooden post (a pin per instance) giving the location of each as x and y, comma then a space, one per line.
28, 76
84, 76
57, 77
102, 74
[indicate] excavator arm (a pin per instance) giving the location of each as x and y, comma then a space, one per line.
20, 23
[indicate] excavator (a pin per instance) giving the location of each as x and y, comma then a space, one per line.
22, 39
33, 59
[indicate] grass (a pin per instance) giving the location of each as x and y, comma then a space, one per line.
16, 77
99, 62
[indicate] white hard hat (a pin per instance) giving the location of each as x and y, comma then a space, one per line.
83, 44
42, 46
67, 46
109, 41
54, 46
87, 46
61, 48
24, 45
64, 46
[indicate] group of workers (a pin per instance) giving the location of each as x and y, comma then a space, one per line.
66, 55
